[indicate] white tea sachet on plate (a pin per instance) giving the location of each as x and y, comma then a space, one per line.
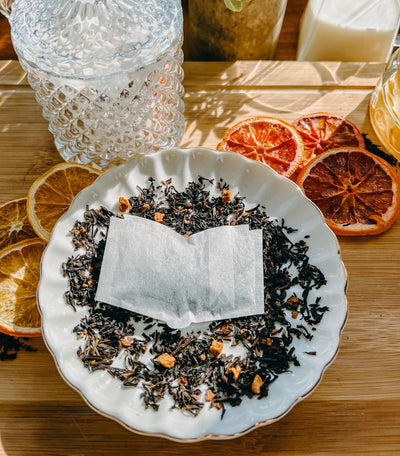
152, 270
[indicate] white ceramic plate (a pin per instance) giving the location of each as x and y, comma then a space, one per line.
259, 184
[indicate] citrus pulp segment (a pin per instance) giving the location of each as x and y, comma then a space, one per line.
14, 223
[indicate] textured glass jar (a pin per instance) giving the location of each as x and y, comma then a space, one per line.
106, 72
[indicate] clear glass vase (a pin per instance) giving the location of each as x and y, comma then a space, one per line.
107, 74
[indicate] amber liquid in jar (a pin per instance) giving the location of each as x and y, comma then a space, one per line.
384, 107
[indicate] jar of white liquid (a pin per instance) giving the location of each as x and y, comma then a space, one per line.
106, 72
348, 30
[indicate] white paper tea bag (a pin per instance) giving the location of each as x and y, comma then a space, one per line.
150, 269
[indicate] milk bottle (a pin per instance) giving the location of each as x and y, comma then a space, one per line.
348, 30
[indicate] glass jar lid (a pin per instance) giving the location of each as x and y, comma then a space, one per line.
90, 38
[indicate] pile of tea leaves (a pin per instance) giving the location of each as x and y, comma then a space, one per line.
195, 368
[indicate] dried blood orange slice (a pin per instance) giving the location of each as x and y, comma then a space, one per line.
358, 192
268, 140
323, 131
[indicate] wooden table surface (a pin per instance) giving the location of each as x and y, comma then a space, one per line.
356, 408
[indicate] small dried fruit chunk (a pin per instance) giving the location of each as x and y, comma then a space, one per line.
257, 384
158, 216
166, 360
235, 371
126, 342
216, 347
209, 395
182, 382
123, 204
226, 195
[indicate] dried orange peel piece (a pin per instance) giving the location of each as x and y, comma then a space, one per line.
358, 192
268, 140
19, 277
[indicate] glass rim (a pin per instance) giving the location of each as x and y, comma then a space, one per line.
153, 61
394, 59
116, 62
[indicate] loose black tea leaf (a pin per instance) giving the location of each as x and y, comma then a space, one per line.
375, 149
193, 368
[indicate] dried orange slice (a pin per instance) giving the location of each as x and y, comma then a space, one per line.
358, 192
14, 223
268, 140
53, 192
19, 277
323, 131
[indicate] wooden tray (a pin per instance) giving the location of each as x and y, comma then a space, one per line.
356, 408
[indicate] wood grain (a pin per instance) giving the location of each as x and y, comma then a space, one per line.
356, 408
288, 38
